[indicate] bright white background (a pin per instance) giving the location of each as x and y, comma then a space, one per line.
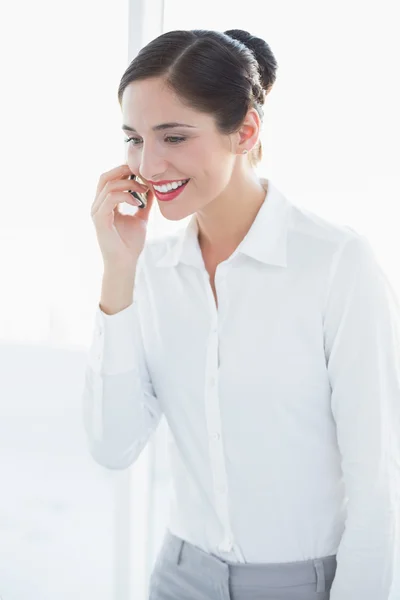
68, 527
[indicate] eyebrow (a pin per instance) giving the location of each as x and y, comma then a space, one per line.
158, 127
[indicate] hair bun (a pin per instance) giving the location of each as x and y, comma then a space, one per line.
267, 64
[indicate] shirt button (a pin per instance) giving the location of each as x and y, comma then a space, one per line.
212, 381
226, 545
221, 488
216, 436
100, 332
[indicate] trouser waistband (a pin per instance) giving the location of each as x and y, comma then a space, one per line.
317, 570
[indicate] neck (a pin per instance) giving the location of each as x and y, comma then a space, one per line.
225, 222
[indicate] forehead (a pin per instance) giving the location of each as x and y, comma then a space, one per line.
149, 102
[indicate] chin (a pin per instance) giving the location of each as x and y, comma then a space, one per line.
174, 215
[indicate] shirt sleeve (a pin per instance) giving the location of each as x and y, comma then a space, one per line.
120, 407
362, 346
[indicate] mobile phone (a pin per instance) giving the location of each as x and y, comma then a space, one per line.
142, 197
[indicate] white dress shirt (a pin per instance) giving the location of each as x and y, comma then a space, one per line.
282, 405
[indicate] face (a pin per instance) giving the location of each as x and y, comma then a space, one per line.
196, 152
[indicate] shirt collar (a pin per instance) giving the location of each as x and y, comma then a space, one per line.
265, 241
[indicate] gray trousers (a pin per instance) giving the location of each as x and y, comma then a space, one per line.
184, 572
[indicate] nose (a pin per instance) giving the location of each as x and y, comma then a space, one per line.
152, 165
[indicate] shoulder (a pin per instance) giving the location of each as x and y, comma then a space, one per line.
325, 242
308, 227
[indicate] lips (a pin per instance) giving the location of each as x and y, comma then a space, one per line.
172, 190
166, 196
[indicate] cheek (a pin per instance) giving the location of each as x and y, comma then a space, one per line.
132, 155
205, 163
200, 151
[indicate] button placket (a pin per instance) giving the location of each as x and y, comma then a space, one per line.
100, 343
98, 408
216, 450
213, 417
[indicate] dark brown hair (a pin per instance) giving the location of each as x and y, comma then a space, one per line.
222, 74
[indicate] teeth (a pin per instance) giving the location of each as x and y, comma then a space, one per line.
169, 186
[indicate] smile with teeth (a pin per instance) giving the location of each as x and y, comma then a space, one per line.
168, 187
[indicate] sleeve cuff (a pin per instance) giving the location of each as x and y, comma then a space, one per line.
115, 341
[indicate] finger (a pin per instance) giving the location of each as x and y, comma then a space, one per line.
116, 173
143, 213
116, 185
109, 204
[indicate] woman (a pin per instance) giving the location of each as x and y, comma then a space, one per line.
264, 334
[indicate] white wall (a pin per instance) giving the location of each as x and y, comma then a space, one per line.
56, 504
63, 527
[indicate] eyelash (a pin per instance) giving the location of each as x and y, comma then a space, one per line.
180, 139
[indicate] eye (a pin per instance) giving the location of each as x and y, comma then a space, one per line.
126, 140
177, 139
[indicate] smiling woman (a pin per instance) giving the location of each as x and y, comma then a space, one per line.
192, 102
263, 334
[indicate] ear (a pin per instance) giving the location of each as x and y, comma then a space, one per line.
249, 132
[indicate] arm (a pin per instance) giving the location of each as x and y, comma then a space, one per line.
362, 345
120, 408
